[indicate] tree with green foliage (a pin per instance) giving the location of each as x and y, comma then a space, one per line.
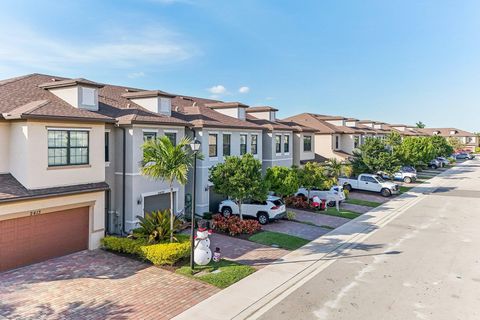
420, 125
162, 160
393, 140
240, 178
441, 146
374, 156
282, 180
455, 143
312, 175
417, 151
335, 169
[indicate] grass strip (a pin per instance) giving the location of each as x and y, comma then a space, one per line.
364, 203
229, 272
281, 240
342, 213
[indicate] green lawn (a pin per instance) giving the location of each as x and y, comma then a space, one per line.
404, 189
282, 240
424, 177
342, 213
365, 203
230, 272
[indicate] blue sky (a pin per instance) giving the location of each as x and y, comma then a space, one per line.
396, 61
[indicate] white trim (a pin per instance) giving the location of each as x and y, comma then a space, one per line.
69, 128
213, 158
226, 132
150, 130
272, 160
108, 130
129, 173
170, 131
213, 132
278, 154
287, 154
107, 164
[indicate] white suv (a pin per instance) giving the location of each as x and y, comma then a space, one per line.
272, 209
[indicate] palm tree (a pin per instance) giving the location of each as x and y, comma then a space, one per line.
334, 169
167, 162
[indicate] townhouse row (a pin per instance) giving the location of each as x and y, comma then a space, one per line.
70, 153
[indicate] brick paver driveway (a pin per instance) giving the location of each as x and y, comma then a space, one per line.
96, 285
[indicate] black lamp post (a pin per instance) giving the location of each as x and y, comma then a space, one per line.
195, 145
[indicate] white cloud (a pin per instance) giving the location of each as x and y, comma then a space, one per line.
244, 90
217, 90
135, 75
26, 48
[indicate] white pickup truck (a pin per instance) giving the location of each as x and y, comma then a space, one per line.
330, 196
405, 176
370, 182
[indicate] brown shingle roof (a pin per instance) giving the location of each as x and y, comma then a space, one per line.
26, 97
12, 190
261, 109
198, 112
445, 132
321, 126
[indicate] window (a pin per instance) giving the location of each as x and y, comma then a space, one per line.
307, 143
356, 141
254, 144
286, 144
278, 143
227, 139
149, 136
67, 147
107, 146
243, 144
165, 105
337, 142
172, 136
368, 179
212, 145
88, 96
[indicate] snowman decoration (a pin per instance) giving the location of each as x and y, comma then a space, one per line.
202, 253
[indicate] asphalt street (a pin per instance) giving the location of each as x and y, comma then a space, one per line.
424, 264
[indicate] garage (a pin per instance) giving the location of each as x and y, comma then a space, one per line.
32, 239
158, 202
214, 200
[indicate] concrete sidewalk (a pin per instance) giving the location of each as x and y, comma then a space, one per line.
263, 289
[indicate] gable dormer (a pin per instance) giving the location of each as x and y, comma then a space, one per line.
436, 133
153, 100
265, 113
399, 127
79, 93
335, 121
351, 123
453, 132
232, 109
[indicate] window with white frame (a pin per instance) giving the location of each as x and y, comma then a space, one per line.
227, 144
172, 136
307, 143
278, 143
243, 144
254, 144
212, 145
88, 96
286, 144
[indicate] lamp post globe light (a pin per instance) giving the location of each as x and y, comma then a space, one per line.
195, 146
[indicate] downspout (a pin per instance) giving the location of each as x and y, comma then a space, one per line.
124, 170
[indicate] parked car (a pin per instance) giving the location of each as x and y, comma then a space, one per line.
370, 182
330, 196
464, 155
264, 211
444, 161
434, 164
408, 169
405, 176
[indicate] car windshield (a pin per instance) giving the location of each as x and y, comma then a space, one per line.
278, 202
379, 179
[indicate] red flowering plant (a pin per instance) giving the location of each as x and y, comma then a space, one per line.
233, 225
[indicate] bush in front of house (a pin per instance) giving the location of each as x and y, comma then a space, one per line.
159, 253
233, 225
155, 226
166, 253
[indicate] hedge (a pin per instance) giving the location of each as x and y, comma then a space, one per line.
158, 254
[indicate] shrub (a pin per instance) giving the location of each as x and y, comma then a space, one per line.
477, 149
155, 226
158, 254
207, 215
297, 202
346, 192
166, 253
123, 245
233, 225
291, 215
